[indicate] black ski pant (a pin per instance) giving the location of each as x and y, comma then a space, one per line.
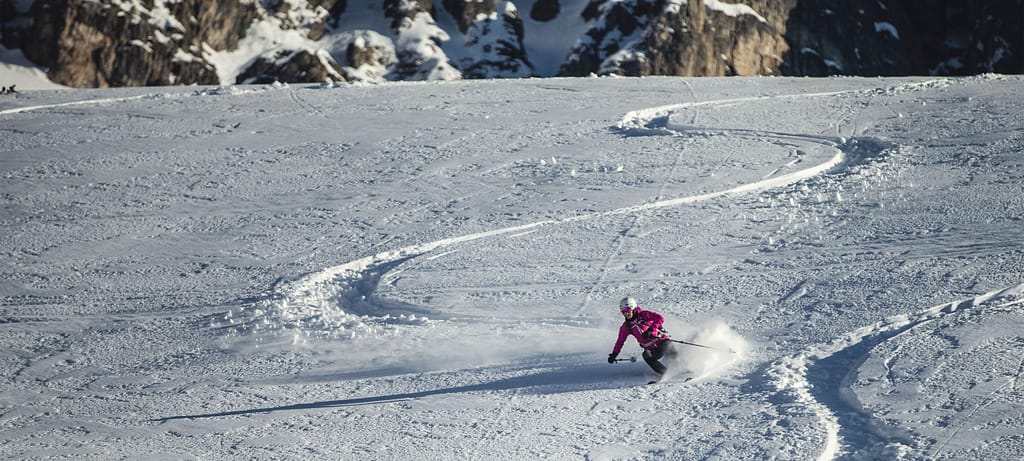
651, 356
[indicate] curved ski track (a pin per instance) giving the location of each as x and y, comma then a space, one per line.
816, 377
340, 298
339, 301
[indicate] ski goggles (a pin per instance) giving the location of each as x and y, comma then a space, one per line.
626, 310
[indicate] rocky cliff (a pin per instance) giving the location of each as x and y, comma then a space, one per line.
100, 43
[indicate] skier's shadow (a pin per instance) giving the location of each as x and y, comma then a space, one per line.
547, 382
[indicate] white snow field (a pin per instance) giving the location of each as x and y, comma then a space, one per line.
418, 271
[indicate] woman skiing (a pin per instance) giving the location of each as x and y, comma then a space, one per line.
645, 326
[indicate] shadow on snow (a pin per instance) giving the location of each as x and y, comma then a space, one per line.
546, 382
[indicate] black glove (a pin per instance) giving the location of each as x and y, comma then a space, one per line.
611, 357
649, 334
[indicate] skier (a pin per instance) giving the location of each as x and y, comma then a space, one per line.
645, 326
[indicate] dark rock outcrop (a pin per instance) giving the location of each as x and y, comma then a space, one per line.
95, 44
658, 37
545, 10
298, 66
800, 37
943, 37
90, 43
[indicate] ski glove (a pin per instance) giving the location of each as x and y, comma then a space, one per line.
649, 334
611, 358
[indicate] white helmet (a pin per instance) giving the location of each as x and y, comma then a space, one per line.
627, 304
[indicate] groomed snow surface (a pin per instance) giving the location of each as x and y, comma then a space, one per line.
431, 271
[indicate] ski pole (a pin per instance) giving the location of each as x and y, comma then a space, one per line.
701, 345
631, 359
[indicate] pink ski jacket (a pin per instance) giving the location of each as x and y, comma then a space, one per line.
641, 322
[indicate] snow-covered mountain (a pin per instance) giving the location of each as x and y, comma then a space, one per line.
432, 270
170, 42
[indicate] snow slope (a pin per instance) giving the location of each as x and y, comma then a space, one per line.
17, 70
430, 271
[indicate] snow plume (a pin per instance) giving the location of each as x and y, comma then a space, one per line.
724, 348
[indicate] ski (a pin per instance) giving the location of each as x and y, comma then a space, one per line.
656, 381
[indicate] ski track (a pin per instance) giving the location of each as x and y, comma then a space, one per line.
202, 92
989, 399
317, 303
326, 301
89, 102
817, 378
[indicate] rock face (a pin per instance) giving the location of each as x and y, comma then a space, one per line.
800, 37
496, 44
944, 37
418, 42
291, 66
676, 37
101, 43
96, 44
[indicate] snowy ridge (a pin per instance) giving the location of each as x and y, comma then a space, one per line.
791, 375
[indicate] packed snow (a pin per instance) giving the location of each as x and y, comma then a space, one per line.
432, 270
17, 70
